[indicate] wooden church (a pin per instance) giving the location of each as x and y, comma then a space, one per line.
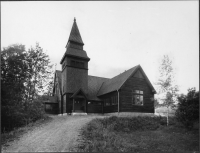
77, 92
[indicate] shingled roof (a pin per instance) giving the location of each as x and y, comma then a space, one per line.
76, 52
58, 74
116, 82
94, 84
75, 34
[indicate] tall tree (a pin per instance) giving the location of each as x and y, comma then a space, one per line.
13, 78
24, 75
167, 85
40, 71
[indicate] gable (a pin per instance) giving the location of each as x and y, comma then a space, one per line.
116, 82
79, 93
57, 80
138, 74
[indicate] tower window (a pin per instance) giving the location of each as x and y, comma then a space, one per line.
77, 64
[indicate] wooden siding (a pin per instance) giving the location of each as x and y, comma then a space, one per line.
111, 108
64, 104
94, 107
69, 102
51, 108
134, 83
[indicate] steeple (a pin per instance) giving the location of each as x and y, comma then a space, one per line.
74, 46
75, 34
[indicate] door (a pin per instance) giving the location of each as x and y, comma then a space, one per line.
79, 105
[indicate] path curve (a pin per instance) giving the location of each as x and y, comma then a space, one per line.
59, 135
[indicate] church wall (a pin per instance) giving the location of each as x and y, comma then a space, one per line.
64, 103
69, 103
112, 99
76, 79
131, 84
94, 106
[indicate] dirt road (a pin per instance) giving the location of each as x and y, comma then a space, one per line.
59, 135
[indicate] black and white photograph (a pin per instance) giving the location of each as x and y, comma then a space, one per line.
100, 76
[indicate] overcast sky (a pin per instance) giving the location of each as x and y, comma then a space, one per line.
118, 35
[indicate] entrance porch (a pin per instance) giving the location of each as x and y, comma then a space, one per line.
79, 103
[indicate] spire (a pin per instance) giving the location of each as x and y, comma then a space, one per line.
75, 34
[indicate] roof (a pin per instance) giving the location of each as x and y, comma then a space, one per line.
75, 34
58, 73
75, 37
98, 86
77, 92
116, 82
76, 52
94, 84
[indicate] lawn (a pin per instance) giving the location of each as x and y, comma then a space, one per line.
137, 134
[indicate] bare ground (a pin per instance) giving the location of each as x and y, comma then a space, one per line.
59, 135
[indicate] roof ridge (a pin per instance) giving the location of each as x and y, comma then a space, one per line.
117, 81
98, 76
100, 88
124, 71
136, 67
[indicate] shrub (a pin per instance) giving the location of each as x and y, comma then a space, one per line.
188, 108
116, 134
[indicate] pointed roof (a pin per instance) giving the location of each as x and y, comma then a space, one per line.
77, 92
58, 75
75, 34
117, 82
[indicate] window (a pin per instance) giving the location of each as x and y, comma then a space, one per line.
114, 100
77, 64
107, 102
137, 97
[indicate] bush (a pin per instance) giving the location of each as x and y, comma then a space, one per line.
188, 108
116, 134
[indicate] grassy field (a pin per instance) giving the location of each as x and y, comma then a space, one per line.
137, 134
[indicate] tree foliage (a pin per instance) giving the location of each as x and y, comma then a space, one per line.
166, 84
188, 108
24, 75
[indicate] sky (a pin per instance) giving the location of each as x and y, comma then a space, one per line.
118, 35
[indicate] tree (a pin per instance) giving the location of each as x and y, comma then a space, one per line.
24, 75
188, 108
13, 77
166, 84
40, 72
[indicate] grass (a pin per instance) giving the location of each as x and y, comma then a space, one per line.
137, 134
16, 133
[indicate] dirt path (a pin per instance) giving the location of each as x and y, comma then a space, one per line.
59, 135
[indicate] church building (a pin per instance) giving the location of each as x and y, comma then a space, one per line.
77, 92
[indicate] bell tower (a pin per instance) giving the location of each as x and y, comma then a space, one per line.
74, 67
